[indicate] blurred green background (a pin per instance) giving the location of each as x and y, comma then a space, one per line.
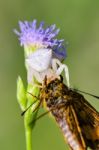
79, 24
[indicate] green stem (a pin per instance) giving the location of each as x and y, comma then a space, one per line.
28, 134
29, 116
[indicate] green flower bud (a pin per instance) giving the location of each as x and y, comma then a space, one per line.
21, 94
32, 99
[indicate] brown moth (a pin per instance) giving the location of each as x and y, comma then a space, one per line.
78, 120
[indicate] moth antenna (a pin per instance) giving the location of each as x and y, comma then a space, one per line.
27, 108
32, 95
87, 93
30, 105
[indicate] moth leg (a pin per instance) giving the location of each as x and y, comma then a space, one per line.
60, 69
70, 148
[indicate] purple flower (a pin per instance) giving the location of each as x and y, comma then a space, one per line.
34, 37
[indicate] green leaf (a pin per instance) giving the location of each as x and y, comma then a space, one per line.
21, 94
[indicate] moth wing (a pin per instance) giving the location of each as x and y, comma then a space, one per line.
88, 119
74, 126
71, 130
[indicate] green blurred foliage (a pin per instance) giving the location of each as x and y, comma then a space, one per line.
79, 24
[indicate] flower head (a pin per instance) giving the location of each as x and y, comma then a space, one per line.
33, 37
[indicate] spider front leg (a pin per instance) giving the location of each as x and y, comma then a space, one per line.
32, 75
58, 67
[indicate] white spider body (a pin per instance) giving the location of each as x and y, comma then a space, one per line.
40, 60
41, 63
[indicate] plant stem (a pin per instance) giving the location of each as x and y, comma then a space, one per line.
28, 134
29, 116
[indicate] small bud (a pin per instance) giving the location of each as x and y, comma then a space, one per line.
21, 94
30, 115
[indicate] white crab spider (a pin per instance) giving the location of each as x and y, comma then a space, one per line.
40, 60
41, 63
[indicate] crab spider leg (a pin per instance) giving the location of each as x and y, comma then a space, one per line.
33, 74
59, 69
55, 62
65, 68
